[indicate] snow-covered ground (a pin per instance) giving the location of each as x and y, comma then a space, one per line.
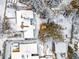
2, 8
25, 16
61, 50
66, 25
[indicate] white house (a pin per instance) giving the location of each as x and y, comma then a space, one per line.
21, 49
26, 23
25, 51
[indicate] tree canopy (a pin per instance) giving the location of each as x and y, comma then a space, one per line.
50, 30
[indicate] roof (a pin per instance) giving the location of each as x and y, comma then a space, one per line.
25, 51
24, 16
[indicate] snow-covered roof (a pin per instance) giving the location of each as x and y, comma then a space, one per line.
24, 16
24, 23
26, 51
27, 13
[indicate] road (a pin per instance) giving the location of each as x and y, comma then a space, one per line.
2, 9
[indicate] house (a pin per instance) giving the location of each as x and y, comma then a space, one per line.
25, 51
26, 23
21, 49
20, 19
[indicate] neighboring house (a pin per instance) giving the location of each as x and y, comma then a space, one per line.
26, 23
20, 19
21, 49
25, 49
61, 50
